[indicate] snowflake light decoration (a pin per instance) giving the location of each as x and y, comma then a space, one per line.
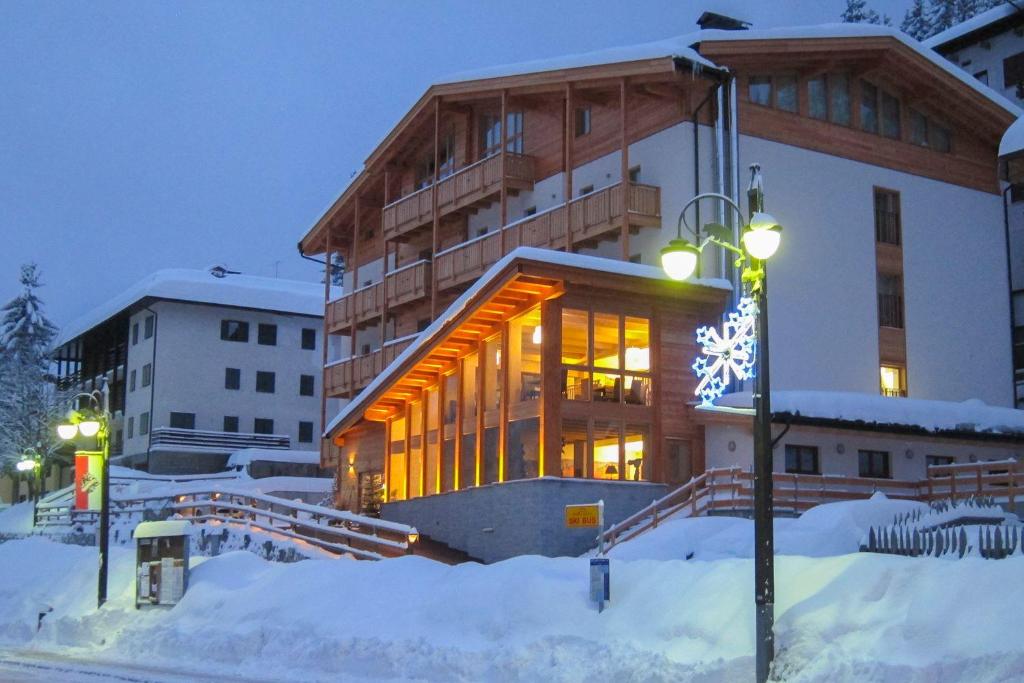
726, 354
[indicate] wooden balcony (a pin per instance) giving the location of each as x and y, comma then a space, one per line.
405, 285
347, 377
595, 216
469, 187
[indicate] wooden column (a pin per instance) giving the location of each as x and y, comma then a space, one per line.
355, 285
323, 339
407, 415
437, 219
423, 443
384, 267
439, 476
457, 478
504, 154
568, 138
481, 369
387, 459
655, 450
551, 391
503, 406
624, 238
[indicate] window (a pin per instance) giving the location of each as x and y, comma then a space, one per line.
802, 460
890, 116
131, 381
890, 301
982, 76
582, 121
873, 464
817, 98
266, 335
939, 138
918, 128
305, 432
446, 155
490, 135
183, 420
231, 423
759, 89
232, 378
135, 334
143, 424
785, 93
264, 382
936, 460
149, 322
515, 132
839, 99
147, 374
868, 107
619, 371
131, 427
308, 338
234, 330
1013, 70
928, 133
263, 425
305, 385
888, 229
893, 381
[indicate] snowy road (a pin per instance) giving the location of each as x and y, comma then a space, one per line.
38, 667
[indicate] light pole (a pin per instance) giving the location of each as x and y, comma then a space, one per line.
30, 463
760, 238
95, 422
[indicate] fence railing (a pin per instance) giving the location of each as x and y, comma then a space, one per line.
352, 374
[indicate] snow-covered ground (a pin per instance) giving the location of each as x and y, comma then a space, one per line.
841, 615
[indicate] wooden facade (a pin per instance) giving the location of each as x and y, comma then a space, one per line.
549, 370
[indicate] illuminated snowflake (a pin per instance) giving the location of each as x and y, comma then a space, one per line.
728, 354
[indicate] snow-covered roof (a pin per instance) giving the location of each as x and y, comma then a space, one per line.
978, 21
200, 286
246, 456
970, 416
1013, 139
170, 527
550, 256
687, 47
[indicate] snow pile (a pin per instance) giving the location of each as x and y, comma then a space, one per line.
17, 519
822, 531
857, 616
245, 456
972, 415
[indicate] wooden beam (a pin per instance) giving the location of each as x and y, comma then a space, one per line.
568, 135
504, 155
433, 198
624, 141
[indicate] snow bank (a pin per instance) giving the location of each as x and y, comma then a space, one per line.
17, 519
246, 456
857, 616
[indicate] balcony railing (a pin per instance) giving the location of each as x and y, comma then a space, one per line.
351, 375
405, 285
593, 216
471, 185
167, 438
890, 310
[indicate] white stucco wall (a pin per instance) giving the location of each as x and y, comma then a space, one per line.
988, 56
189, 371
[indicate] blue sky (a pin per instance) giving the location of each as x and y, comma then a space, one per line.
140, 136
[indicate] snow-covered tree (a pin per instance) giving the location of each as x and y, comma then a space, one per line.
30, 404
943, 14
916, 21
857, 12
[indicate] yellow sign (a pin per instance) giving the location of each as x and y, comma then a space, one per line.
582, 516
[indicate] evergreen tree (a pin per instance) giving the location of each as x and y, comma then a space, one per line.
916, 22
30, 404
337, 270
857, 12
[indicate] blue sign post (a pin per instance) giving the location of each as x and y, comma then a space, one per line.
600, 581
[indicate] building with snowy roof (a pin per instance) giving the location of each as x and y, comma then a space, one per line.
504, 317
202, 363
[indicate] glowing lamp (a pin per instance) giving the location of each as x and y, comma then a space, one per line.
413, 536
25, 465
536, 335
761, 238
89, 427
679, 259
67, 431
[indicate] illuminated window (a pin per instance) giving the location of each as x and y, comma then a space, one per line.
575, 348
574, 447
607, 461
636, 441
396, 466
492, 374
433, 454
415, 449
524, 343
619, 344
893, 381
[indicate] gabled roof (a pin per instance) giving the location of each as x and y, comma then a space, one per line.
976, 28
200, 286
488, 285
657, 57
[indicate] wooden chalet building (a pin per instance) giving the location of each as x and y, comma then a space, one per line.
506, 322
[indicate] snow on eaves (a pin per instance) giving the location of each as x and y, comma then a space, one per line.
970, 416
550, 256
976, 22
199, 286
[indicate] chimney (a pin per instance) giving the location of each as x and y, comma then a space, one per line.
720, 21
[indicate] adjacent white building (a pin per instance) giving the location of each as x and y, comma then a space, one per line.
199, 364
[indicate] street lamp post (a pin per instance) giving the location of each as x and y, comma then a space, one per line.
96, 423
760, 239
